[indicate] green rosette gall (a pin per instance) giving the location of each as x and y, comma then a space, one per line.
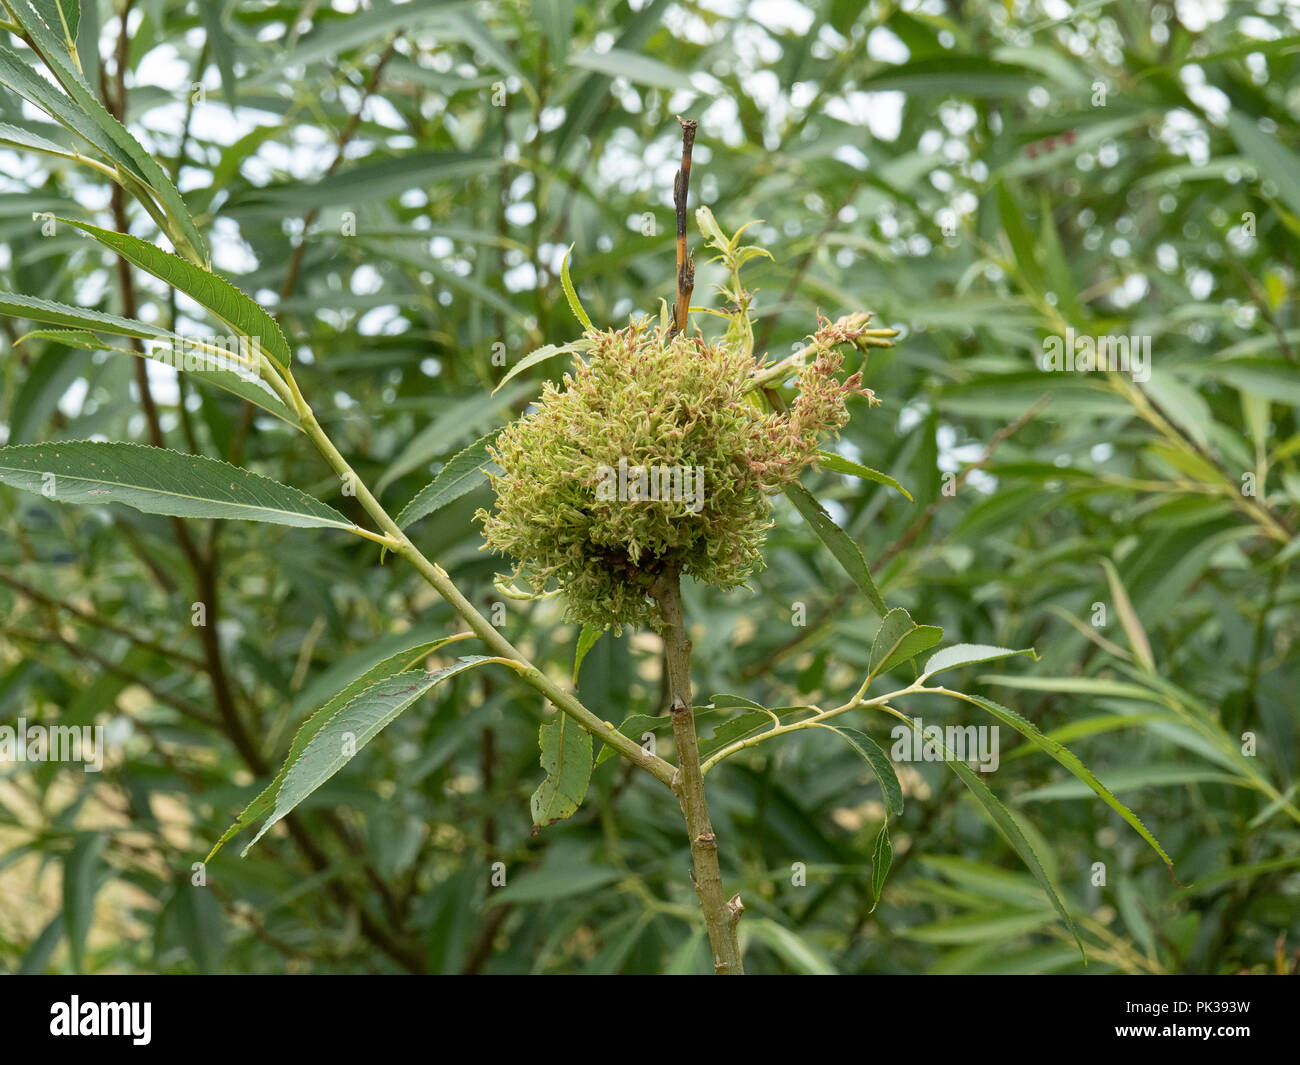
656, 454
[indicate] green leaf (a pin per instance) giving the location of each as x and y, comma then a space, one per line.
989, 881
337, 37
36, 961
70, 338
1137, 637
566, 760
710, 230
253, 390
691, 958
62, 16
25, 140
88, 37
956, 75
1071, 762
198, 924
80, 883
873, 754
1129, 903
480, 37
16, 305
1011, 214
750, 252
795, 951
556, 20
463, 473
841, 545
1002, 817
378, 178
1055, 266
223, 48
233, 307
1275, 160
966, 654
828, 460
998, 926
571, 294
546, 351
638, 69
1146, 776
1076, 686
882, 857
899, 639
547, 885
392, 665
1275, 379
586, 641
45, 382
729, 702
338, 740
158, 481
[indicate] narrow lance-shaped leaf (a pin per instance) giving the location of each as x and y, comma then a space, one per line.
80, 883
828, 460
566, 760
874, 755
341, 738
571, 294
546, 351
463, 473
1056, 267
967, 654
1071, 762
882, 857
158, 481
724, 701
841, 545
16, 305
237, 384
1022, 244
394, 664
13, 137
223, 48
556, 20
638, 69
790, 947
1274, 159
882, 852
1137, 637
235, 308
586, 641
1007, 824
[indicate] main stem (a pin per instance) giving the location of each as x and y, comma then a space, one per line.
720, 916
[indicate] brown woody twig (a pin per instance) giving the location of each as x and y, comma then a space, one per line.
685, 262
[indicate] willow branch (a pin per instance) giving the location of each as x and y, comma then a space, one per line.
720, 916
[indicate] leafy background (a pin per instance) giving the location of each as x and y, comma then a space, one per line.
979, 175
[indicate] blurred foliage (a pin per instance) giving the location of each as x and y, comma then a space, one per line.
980, 175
